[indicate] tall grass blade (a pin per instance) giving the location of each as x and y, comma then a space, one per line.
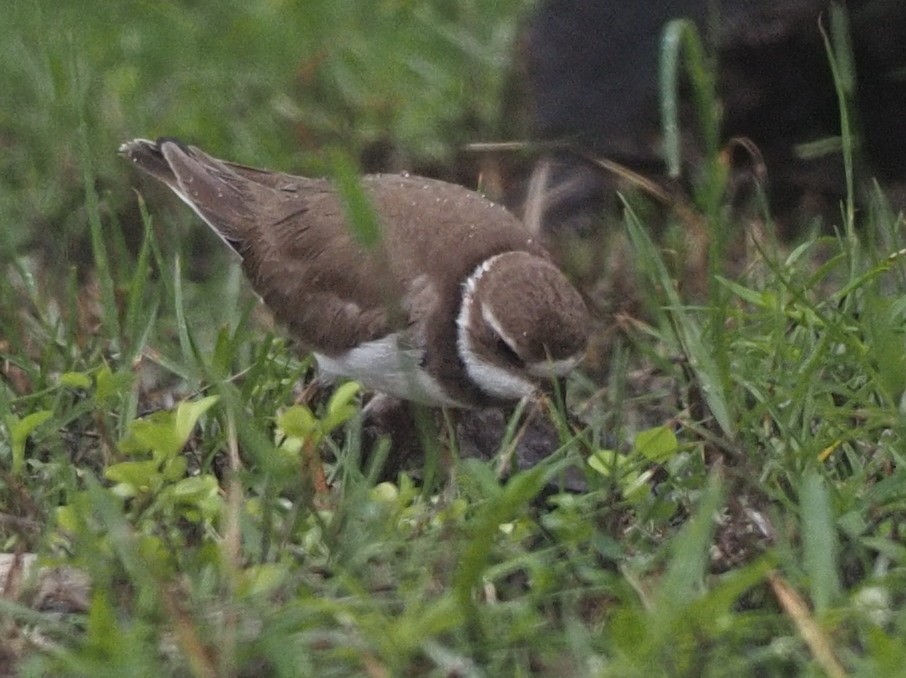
819, 541
688, 333
680, 37
109, 316
361, 217
684, 579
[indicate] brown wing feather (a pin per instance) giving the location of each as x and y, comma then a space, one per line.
291, 234
330, 292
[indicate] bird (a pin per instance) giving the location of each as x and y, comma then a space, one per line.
455, 306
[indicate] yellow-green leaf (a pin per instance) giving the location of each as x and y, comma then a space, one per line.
188, 413
635, 487
138, 475
67, 518
195, 488
343, 396
156, 433
75, 380
19, 430
607, 462
657, 444
174, 468
298, 421
109, 384
259, 579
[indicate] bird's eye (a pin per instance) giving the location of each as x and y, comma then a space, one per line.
507, 353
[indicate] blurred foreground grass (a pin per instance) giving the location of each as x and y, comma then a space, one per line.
269, 82
147, 435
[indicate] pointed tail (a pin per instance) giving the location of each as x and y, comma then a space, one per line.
215, 192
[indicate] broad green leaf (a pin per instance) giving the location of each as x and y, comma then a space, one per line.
174, 468
110, 385
67, 518
384, 493
657, 444
138, 475
155, 433
195, 488
259, 579
199, 496
187, 414
341, 407
19, 430
606, 462
165, 433
298, 421
75, 380
344, 395
634, 486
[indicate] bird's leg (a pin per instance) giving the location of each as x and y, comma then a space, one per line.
386, 417
511, 440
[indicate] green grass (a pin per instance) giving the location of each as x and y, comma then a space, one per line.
743, 514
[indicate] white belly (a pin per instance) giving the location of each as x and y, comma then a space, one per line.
383, 365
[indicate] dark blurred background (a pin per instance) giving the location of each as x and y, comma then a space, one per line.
268, 82
592, 72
